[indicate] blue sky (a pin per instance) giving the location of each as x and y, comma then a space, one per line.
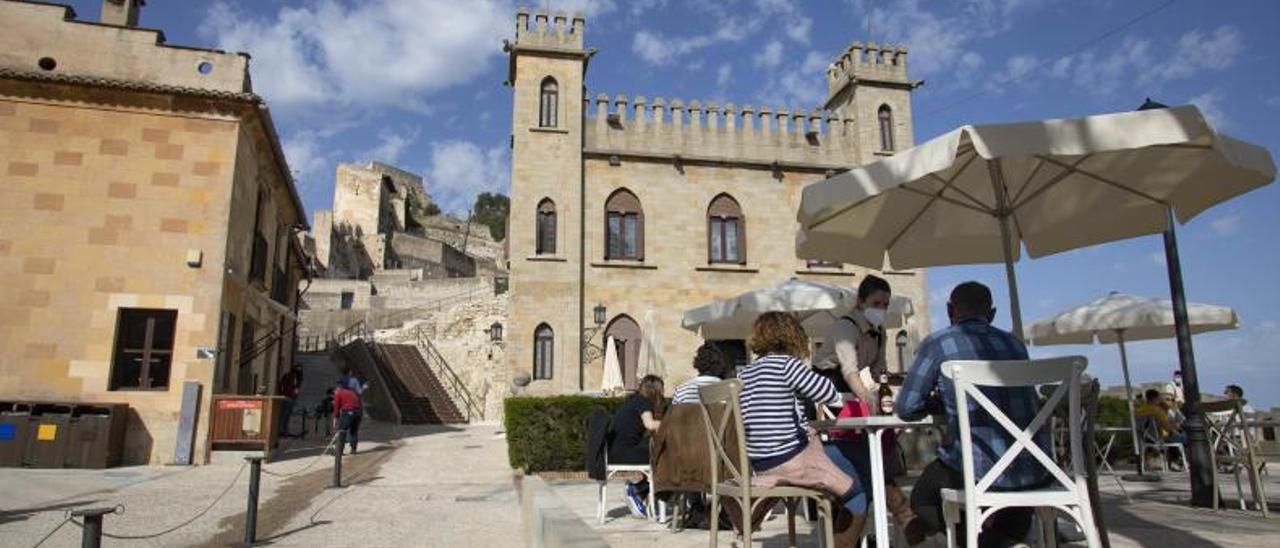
419, 83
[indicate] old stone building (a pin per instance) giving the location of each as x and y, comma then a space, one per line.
636, 206
147, 222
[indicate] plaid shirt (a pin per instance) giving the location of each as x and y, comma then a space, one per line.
975, 339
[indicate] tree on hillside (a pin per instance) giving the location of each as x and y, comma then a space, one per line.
491, 210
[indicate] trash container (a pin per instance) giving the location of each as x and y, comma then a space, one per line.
96, 436
47, 436
14, 417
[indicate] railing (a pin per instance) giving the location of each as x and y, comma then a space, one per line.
457, 389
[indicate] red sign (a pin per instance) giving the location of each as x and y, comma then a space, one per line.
239, 404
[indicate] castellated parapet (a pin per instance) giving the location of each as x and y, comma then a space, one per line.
710, 132
545, 32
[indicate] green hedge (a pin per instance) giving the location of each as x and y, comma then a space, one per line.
548, 434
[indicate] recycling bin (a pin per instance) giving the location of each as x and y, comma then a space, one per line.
47, 435
96, 436
14, 419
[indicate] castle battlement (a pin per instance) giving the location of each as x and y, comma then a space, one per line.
698, 129
871, 62
553, 32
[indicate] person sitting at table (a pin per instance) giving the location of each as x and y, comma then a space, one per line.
1156, 408
782, 448
970, 337
632, 422
712, 368
1234, 392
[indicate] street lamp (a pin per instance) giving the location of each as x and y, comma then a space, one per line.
599, 313
589, 351
901, 342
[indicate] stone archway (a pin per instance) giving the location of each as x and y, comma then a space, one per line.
626, 335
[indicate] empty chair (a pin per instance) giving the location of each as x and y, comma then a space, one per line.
1232, 444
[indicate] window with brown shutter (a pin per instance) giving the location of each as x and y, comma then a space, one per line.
543, 352
144, 349
624, 227
546, 228
726, 232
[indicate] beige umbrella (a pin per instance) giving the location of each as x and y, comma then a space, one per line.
651, 362
1118, 318
980, 193
816, 305
611, 380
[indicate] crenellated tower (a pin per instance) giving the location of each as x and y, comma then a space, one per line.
869, 83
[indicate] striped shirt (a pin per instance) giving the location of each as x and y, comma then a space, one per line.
772, 387
687, 392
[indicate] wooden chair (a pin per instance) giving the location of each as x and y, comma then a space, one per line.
1068, 494
1231, 443
726, 439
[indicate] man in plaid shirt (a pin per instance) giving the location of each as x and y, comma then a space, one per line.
970, 337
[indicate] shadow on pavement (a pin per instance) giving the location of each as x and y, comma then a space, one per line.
23, 514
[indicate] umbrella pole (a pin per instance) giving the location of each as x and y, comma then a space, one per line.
1197, 447
1142, 474
1006, 242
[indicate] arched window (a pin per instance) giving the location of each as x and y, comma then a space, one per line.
548, 106
624, 227
543, 352
625, 333
546, 229
726, 231
886, 128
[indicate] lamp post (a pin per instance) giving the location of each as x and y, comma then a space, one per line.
588, 350
901, 341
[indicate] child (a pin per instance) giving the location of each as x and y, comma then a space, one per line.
782, 448
711, 367
637, 416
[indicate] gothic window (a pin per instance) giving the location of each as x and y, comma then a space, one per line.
548, 106
726, 231
543, 352
886, 128
144, 349
624, 227
546, 228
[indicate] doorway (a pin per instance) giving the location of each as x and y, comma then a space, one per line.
626, 336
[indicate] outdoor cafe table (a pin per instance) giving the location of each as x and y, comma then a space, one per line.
876, 427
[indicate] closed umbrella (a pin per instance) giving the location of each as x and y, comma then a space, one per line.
651, 362
816, 305
611, 381
1118, 318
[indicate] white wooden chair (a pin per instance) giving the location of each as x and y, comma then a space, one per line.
721, 412
1066, 493
612, 469
1231, 443
1152, 438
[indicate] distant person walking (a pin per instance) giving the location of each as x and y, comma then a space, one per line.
289, 386
346, 412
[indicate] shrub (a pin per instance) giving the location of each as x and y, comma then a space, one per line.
549, 434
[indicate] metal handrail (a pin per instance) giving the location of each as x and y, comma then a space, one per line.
458, 388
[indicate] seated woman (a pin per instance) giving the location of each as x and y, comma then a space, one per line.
782, 448
711, 367
632, 422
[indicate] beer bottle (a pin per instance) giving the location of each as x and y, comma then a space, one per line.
886, 395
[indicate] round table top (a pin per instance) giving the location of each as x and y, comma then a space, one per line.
877, 421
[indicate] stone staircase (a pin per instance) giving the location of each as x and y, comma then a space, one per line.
414, 387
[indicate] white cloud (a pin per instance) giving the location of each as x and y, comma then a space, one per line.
1197, 52
1272, 101
656, 48
796, 25
390, 146
724, 74
588, 8
940, 42
1157, 258
459, 170
797, 84
770, 56
377, 53
1226, 225
306, 157
1211, 104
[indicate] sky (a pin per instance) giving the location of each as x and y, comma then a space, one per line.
418, 83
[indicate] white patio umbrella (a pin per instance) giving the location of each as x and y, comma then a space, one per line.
816, 305
1118, 318
651, 362
611, 381
980, 193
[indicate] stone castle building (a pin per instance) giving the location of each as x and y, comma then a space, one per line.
636, 206
147, 222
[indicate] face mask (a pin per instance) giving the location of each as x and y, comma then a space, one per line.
874, 316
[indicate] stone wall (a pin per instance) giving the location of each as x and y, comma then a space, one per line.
436, 259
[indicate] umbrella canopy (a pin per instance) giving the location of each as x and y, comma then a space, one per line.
611, 381
651, 362
816, 305
980, 193
1126, 318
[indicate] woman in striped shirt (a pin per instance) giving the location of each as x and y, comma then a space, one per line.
782, 448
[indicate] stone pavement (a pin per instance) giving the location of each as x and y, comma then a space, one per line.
408, 486
1159, 516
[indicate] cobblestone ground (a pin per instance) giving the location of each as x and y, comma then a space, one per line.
408, 486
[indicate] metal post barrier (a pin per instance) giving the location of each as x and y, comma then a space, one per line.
91, 533
337, 459
251, 512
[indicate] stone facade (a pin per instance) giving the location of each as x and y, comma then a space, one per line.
136, 175
675, 157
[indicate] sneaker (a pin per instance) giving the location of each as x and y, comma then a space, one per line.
635, 502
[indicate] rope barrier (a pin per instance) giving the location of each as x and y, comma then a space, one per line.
313, 461
189, 521
64, 521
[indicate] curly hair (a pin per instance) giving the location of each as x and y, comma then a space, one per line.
778, 333
709, 361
